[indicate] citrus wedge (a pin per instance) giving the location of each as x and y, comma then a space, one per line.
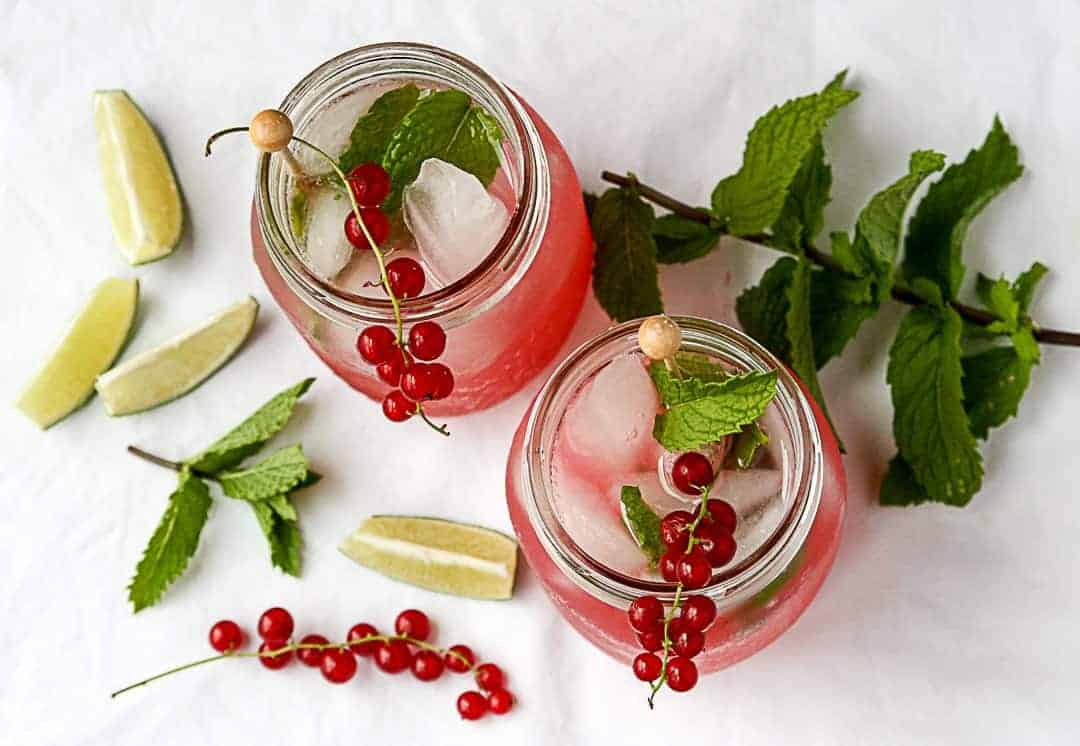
144, 202
91, 344
439, 555
168, 372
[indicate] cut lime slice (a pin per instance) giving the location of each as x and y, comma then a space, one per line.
168, 372
144, 202
439, 555
92, 343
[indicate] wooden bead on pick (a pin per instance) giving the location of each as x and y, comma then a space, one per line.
659, 337
270, 130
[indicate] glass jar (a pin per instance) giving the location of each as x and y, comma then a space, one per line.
507, 318
760, 594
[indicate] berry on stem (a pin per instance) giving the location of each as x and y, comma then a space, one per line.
647, 666
652, 640
471, 705
397, 407
719, 546
489, 677
645, 613
406, 277
389, 371
413, 623
416, 382
688, 643
275, 624
682, 674
500, 701
375, 344
694, 570
370, 184
359, 632
698, 612
226, 636
692, 473
375, 220
442, 381
460, 658
722, 514
669, 564
312, 656
427, 665
393, 656
276, 660
338, 665
427, 340
674, 528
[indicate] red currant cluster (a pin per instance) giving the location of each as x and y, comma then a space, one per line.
408, 648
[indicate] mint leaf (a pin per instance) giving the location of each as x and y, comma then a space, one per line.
298, 213
747, 444
705, 412
930, 424
691, 370
1024, 287
699, 366
173, 543
762, 309
900, 487
934, 244
839, 304
625, 274
444, 125
251, 434
752, 199
801, 337
282, 534
276, 474
803, 214
994, 383
680, 239
644, 524
372, 131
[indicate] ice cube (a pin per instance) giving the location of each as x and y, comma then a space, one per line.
607, 430
453, 218
656, 495
325, 245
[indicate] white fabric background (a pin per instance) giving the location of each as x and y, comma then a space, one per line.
937, 625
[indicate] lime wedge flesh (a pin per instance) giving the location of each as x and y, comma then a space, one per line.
167, 372
91, 344
144, 202
439, 555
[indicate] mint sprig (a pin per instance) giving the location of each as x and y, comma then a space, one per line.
372, 131
699, 412
275, 475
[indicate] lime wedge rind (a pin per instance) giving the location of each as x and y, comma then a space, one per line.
171, 370
93, 341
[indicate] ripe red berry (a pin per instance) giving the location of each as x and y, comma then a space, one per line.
277, 660
471, 705
489, 677
460, 658
338, 665
389, 371
645, 613
312, 656
225, 636
359, 632
691, 473
427, 666
722, 514
375, 220
416, 382
647, 666
688, 643
397, 407
406, 277
694, 570
698, 612
442, 381
275, 624
652, 640
718, 545
370, 184
375, 344
393, 656
427, 340
413, 623
500, 701
674, 527
681, 674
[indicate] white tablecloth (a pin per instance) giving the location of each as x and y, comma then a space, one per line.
937, 625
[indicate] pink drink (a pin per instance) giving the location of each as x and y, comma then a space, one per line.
589, 432
506, 317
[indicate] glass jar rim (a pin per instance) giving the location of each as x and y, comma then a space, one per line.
735, 583
503, 266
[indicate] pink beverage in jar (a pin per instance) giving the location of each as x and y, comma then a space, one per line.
506, 263
590, 432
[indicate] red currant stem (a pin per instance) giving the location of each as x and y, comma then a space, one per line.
441, 429
702, 511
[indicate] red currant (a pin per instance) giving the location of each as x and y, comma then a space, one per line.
390, 370
397, 407
338, 665
312, 656
698, 612
645, 613
377, 223
694, 570
669, 564
471, 705
393, 656
277, 660
681, 674
416, 382
652, 640
719, 545
275, 624
688, 643
370, 184
226, 636
647, 666
500, 701
427, 666
442, 380
674, 527
406, 277
375, 344
722, 514
676, 627
460, 658
362, 631
427, 340
413, 623
692, 473
489, 677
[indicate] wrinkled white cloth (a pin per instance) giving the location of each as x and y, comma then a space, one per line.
937, 625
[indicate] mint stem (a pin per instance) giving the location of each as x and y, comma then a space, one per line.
899, 292
174, 465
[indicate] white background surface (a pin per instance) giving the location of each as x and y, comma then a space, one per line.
936, 626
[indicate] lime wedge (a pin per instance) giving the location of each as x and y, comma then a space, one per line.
439, 555
168, 372
144, 203
91, 344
